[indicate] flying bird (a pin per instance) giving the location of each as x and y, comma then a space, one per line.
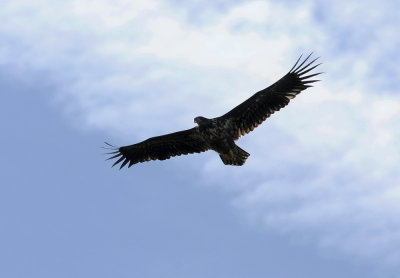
219, 134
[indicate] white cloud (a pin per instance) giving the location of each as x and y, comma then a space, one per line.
325, 166
111, 14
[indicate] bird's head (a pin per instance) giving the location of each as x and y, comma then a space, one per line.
201, 120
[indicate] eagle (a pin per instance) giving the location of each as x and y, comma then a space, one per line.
220, 134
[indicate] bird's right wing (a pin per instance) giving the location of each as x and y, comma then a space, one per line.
161, 147
252, 112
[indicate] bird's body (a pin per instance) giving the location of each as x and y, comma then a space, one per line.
221, 133
220, 136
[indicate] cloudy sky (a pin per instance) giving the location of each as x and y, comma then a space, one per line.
318, 197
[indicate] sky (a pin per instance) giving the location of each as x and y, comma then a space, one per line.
318, 197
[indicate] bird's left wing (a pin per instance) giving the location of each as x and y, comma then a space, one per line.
252, 112
161, 147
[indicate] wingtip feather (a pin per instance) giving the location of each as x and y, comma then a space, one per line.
296, 63
115, 156
302, 63
118, 161
311, 75
124, 163
305, 68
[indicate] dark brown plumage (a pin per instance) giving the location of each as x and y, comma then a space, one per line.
220, 134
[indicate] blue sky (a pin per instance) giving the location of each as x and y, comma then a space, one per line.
319, 195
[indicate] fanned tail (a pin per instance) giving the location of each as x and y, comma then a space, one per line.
235, 156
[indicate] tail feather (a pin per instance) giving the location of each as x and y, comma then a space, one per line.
235, 156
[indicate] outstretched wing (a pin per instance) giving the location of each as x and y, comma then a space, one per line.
161, 147
252, 112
